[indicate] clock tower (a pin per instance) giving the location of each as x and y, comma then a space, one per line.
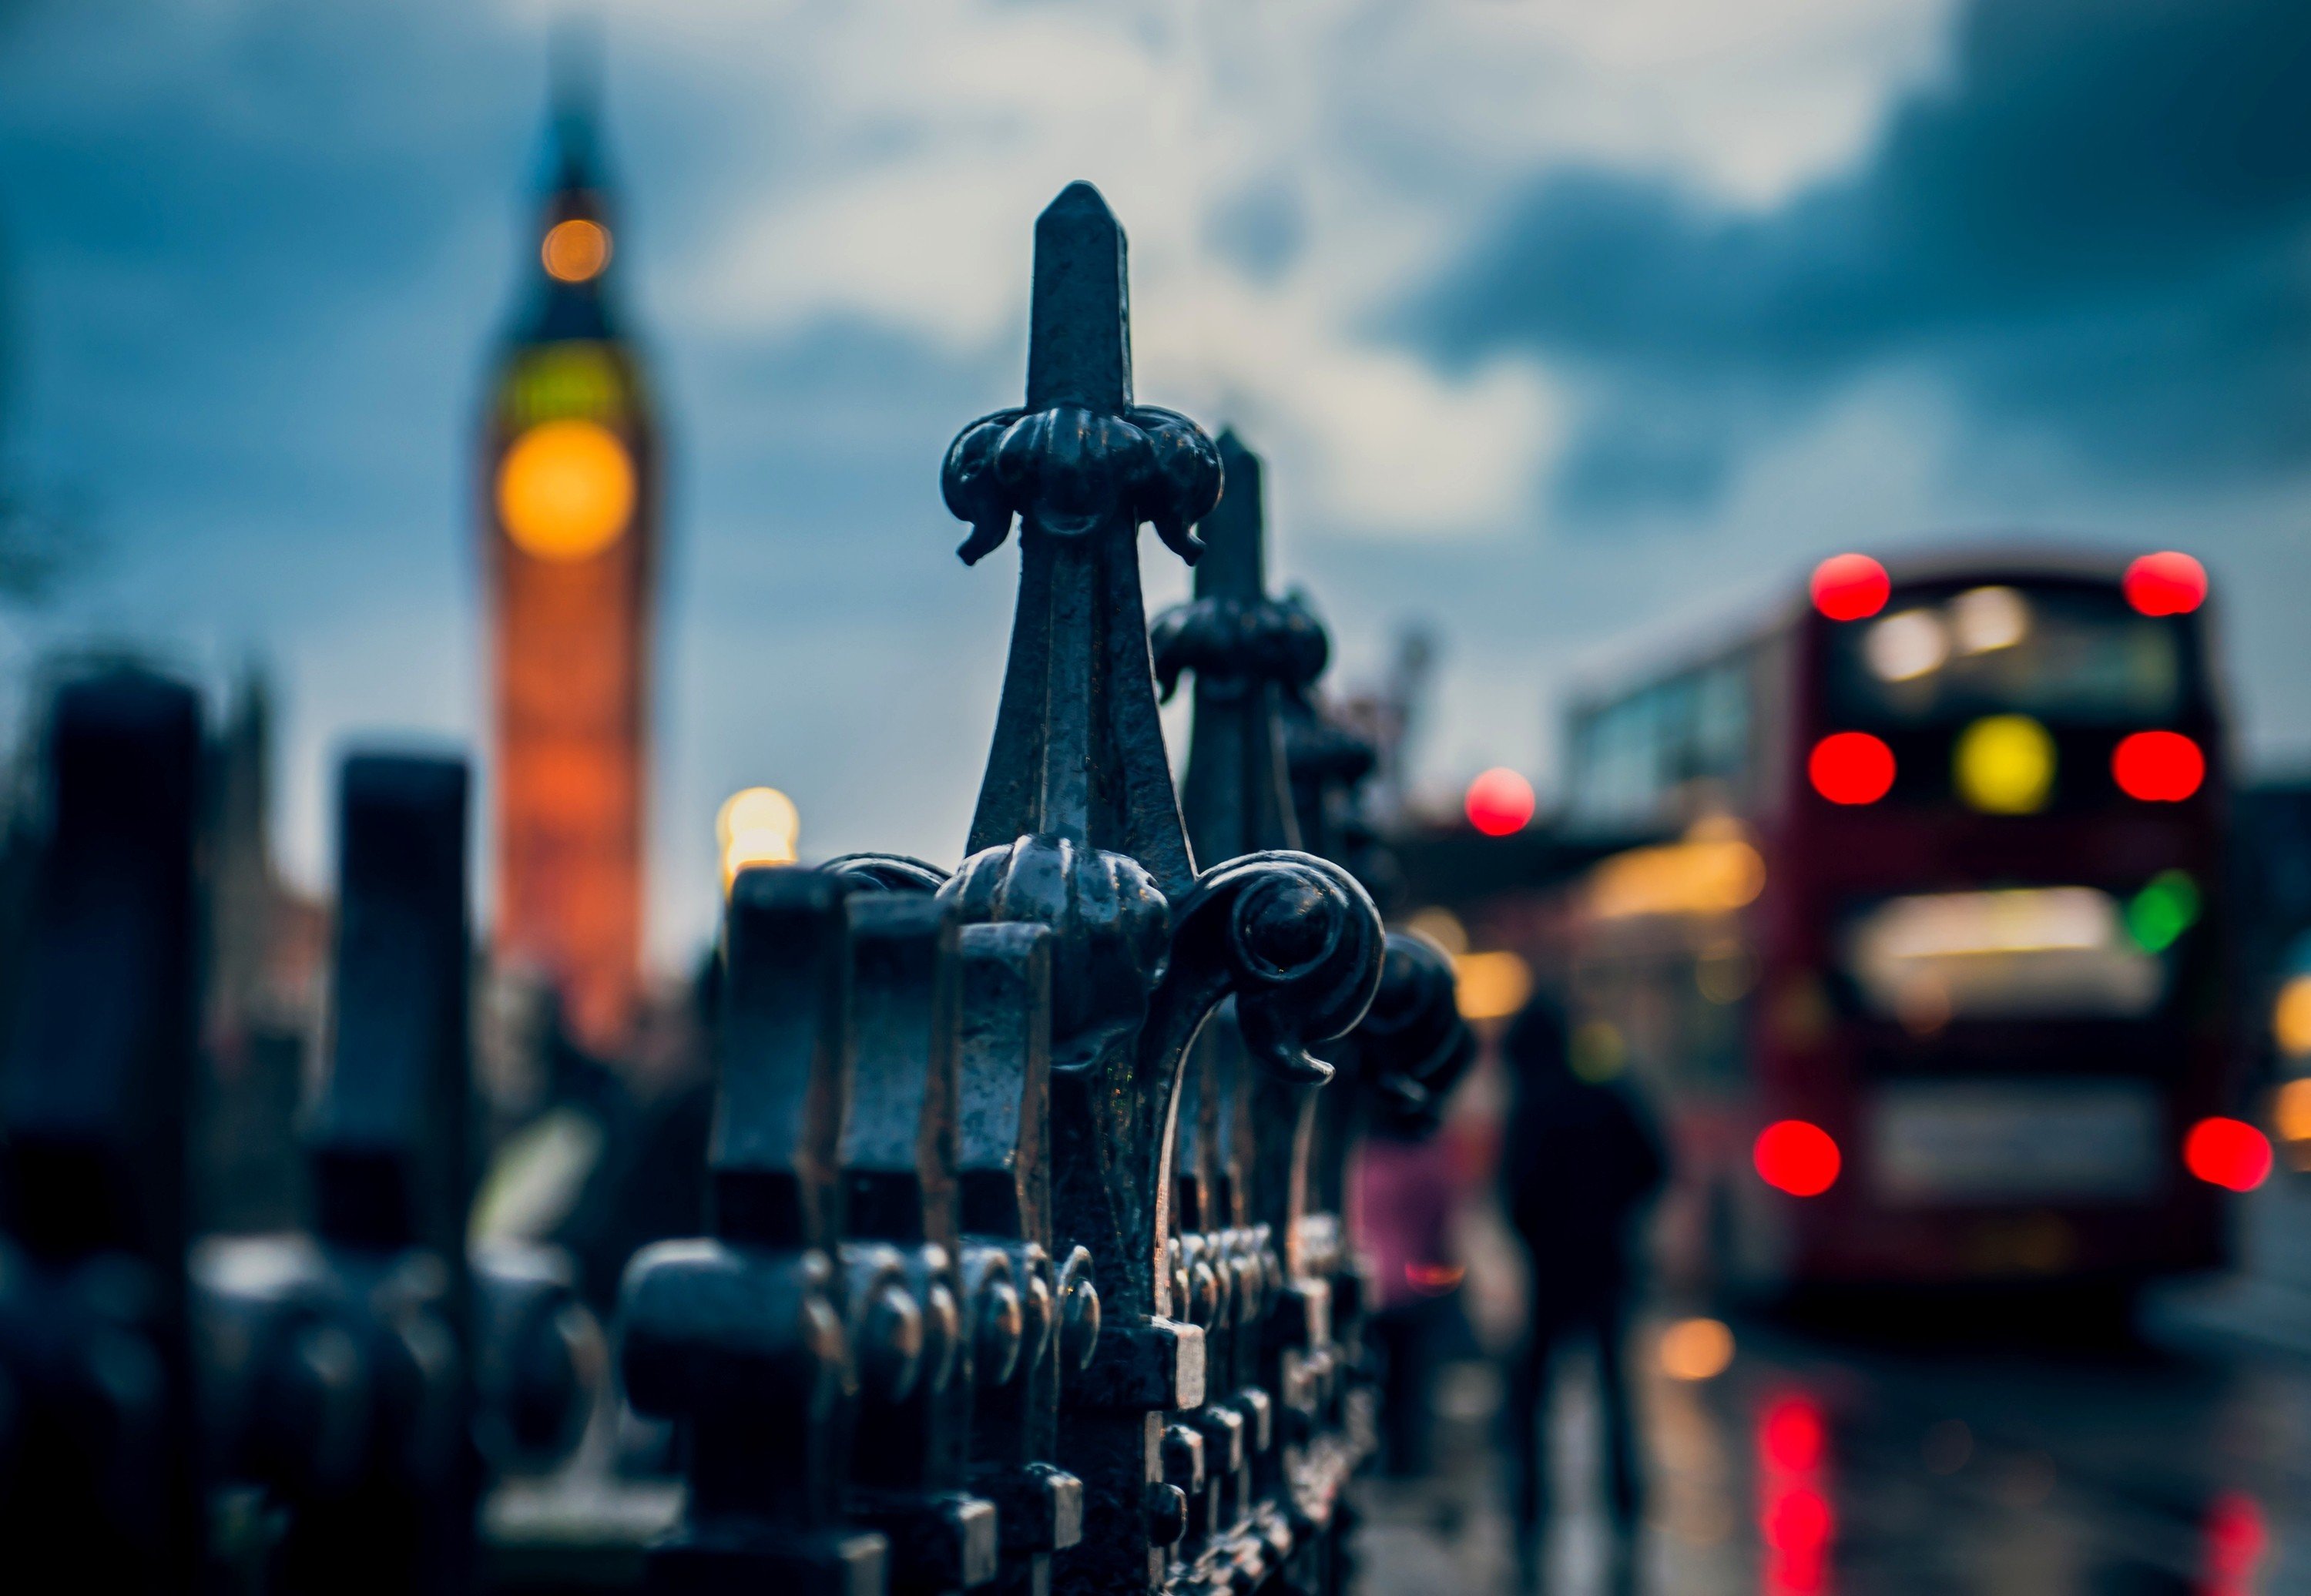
569, 515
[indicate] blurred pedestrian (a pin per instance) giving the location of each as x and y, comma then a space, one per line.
1580, 1166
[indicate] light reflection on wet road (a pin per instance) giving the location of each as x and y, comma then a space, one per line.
1824, 1464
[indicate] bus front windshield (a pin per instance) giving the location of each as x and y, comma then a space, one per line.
2069, 656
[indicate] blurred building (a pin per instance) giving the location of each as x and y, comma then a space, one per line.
569, 514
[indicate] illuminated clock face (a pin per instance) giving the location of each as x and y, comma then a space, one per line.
566, 490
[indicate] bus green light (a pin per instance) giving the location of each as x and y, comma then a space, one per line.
2163, 910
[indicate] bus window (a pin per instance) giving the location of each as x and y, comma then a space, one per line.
1636, 763
2067, 656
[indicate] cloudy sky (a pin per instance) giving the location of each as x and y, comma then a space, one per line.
1568, 328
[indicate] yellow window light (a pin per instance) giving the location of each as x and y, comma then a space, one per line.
1904, 647
576, 250
1985, 619
758, 825
1491, 986
1710, 872
566, 490
2290, 1017
2004, 765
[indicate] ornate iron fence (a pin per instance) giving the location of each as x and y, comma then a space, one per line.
1028, 1266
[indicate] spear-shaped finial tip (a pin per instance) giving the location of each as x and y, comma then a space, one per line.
1079, 322
1235, 563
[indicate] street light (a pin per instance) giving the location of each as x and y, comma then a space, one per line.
756, 825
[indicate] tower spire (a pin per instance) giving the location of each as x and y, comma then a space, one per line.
571, 530
574, 99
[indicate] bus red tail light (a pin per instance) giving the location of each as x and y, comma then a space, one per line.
1851, 767
2228, 1153
2166, 584
2158, 767
1798, 1158
1850, 586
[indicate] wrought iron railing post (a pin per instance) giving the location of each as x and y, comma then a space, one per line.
102, 1490
898, 1160
1004, 1183
388, 1159
752, 1339
364, 1378
1079, 830
1284, 1147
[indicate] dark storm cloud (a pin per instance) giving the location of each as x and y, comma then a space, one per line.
2096, 232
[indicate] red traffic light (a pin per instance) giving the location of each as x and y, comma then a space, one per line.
2166, 583
1850, 586
1499, 802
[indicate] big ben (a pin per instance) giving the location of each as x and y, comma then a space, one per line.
569, 508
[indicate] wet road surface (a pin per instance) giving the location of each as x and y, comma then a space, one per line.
1891, 1459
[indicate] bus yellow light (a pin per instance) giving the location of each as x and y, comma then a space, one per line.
758, 825
1706, 874
1491, 986
2004, 765
2290, 1017
576, 250
566, 490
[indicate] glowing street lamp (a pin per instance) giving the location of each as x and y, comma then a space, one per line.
758, 825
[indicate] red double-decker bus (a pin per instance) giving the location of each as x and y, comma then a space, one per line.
1917, 939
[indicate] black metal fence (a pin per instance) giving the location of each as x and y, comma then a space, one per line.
1028, 1267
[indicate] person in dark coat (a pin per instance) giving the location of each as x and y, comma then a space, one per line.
1580, 1163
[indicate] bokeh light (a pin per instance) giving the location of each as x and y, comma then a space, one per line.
1796, 1157
1435, 1279
2228, 1153
1696, 1350
2163, 910
1490, 986
2158, 767
2290, 1116
2291, 1016
1904, 647
1797, 1520
566, 490
1794, 1437
2004, 765
576, 250
1850, 586
756, 825
1597, 1052
1499, 802
2236, 1538
2166, 584
1986, 619
1851, 767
